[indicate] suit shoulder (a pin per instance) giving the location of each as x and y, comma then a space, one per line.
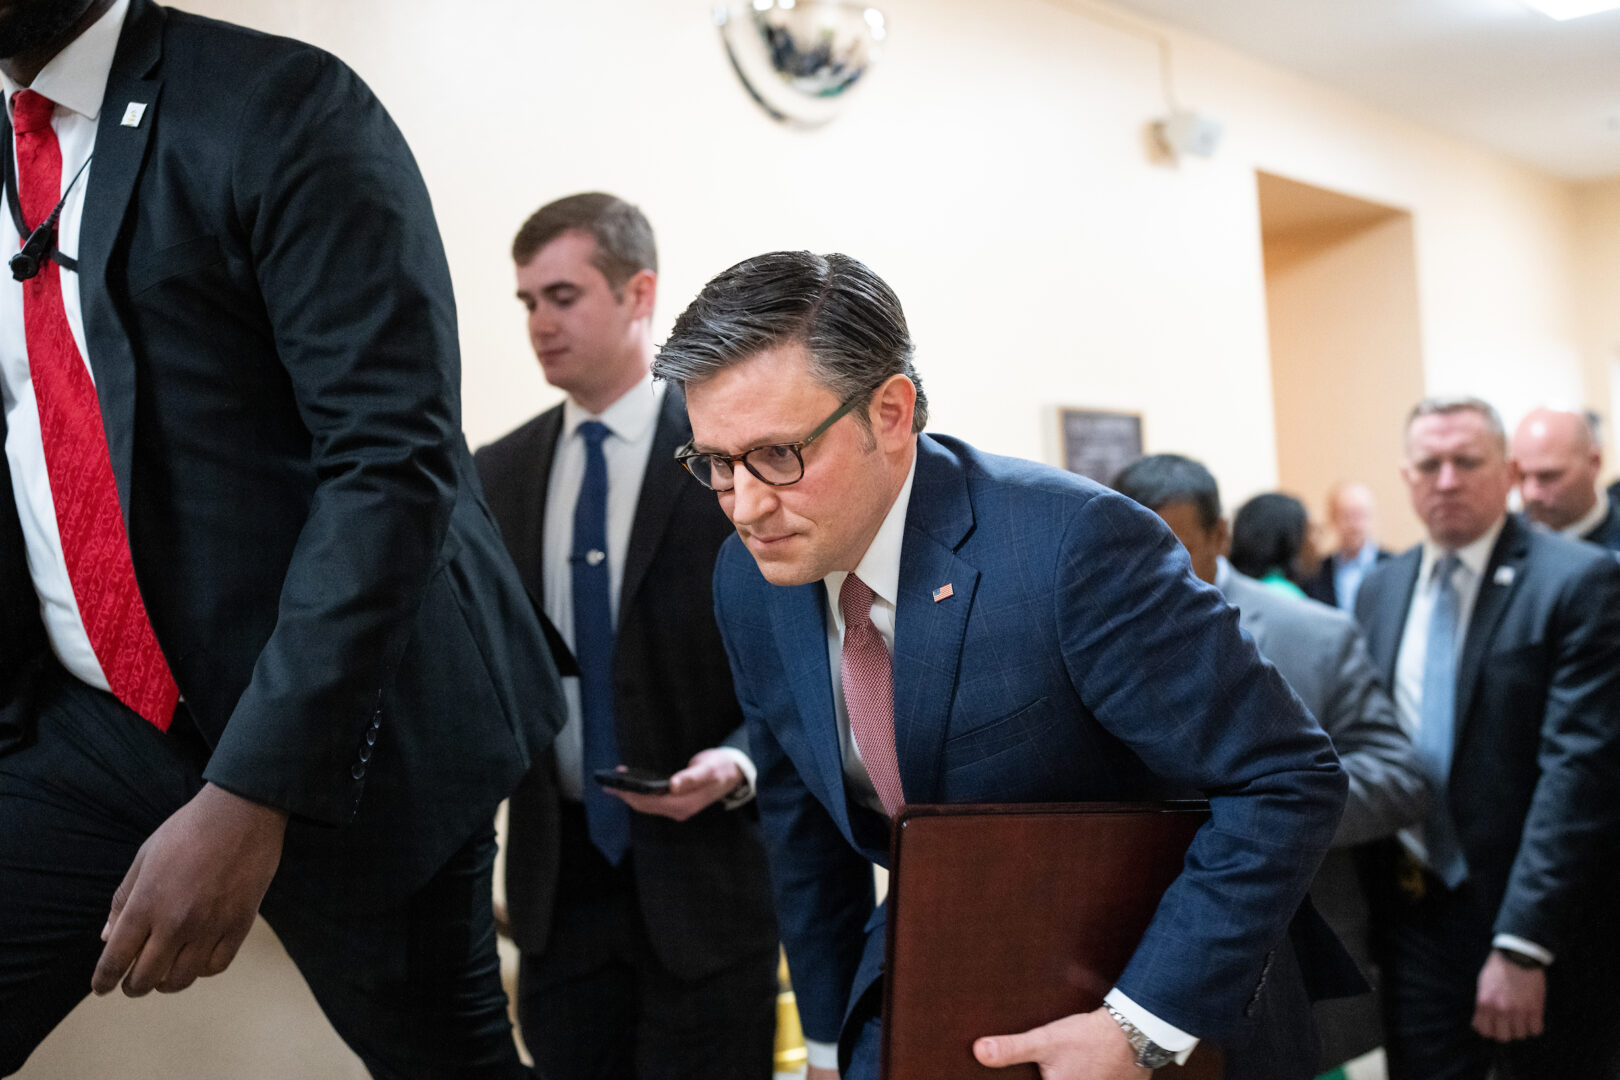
519, 443
1288, 614
215, 48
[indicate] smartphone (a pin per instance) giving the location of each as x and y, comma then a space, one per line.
641, 781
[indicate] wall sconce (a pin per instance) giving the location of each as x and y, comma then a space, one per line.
800, 59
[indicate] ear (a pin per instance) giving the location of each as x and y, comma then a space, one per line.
641, 293
891, 411
1223, 537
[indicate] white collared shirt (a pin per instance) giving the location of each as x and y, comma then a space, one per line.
880, 569
632, 422
76, 79
1591, 520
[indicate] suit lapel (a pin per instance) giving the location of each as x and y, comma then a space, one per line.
929, 634
661, 487
119, 152
1507, 564
798, 617
532, 568
1384, 638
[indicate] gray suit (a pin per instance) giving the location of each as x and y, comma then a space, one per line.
1319, 651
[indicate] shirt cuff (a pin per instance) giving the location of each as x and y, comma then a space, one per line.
743, 794
821, 1055
1517, 944
1164, 1035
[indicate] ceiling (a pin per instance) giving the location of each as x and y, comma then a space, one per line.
1491, 71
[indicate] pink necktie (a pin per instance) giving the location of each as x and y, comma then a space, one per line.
94, 543
869, 692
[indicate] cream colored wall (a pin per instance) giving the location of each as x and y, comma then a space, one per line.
1346, 362
1598, 221
994, 169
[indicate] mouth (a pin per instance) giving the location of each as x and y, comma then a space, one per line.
765, 541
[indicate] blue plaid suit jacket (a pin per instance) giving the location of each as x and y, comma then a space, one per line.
1079, 659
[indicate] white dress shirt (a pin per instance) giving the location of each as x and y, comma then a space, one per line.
1467, 578
632, 421
880, 569
1592, 519
76, 79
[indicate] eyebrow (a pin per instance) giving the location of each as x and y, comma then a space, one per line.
700, 448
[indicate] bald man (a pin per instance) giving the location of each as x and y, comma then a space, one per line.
1352, 511
1558, 460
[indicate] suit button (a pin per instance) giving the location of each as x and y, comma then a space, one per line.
359, 771
371, 737
365, 754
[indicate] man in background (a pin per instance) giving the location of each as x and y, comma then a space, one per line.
260, 645
1321, 654
910, 620
648, 943
1559, 459
1352, 511
1501, 646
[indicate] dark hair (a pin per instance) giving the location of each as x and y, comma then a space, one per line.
1445, 406
1158, 480
1268, 534
846, 317
624, 237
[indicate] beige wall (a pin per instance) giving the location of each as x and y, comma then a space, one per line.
1346, 359
1598, 222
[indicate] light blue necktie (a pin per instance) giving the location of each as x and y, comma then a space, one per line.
606, 818
1438, 725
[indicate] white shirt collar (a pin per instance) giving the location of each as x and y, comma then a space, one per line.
1593, 518
1474, 556
880, 566
76, 77
630, 417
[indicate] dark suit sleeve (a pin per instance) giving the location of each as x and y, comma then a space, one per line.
355, 286
1387, 787
1158, 658
824, 889
1572, 831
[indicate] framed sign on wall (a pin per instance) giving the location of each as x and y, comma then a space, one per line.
1098, 444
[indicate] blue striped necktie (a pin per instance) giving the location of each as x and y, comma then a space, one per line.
1437, 729
606, 818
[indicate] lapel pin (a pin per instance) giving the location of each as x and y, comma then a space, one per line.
133, 113
1504, 575
594, 557
944, 592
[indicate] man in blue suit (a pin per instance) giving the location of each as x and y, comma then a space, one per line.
910, 620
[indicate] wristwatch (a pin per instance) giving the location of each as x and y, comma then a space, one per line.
1149, 1054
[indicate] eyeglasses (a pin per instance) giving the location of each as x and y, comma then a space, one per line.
778, 465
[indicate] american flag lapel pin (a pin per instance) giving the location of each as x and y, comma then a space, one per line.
944, 592
133, 113
1504, 575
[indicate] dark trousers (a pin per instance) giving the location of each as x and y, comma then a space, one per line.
1431, 947
412, 984
598, 1004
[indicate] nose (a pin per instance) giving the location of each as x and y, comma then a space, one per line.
1447, 478
752, 499
541, 324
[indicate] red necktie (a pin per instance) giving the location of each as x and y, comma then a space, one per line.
869, 692
94, 543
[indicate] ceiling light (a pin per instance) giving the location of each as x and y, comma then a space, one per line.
1572, 9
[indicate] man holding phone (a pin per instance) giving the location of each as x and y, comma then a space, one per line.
635, 873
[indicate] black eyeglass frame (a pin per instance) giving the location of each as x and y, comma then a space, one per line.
686, 455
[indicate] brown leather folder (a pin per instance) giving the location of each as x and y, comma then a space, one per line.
1004, 918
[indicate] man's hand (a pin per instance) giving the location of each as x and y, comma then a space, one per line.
191, 894
709, 777
1511, 1001
1085, 1046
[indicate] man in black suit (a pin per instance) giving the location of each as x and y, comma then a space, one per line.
1559, 458
264, 649
1352, 511
648, 940
1502, 648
